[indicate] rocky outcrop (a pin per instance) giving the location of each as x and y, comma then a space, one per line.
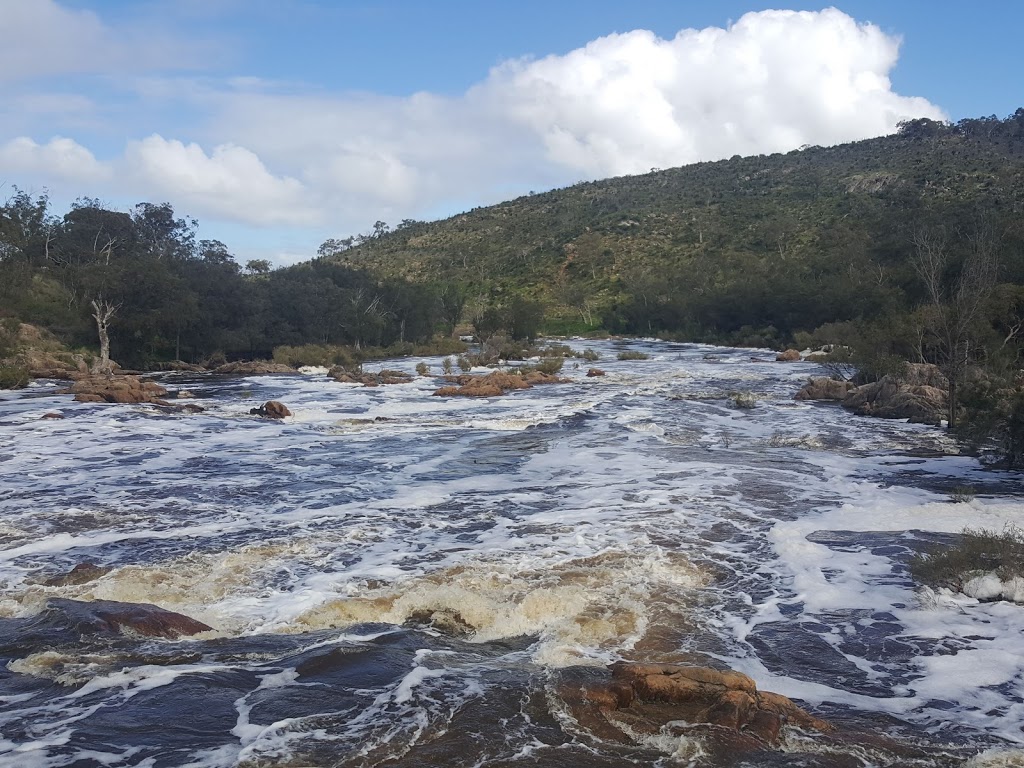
272, 409
495, 383
177, 365
116, 389
595, 372
823, 388
789, 356
919, 395
108, 617
253, 368
341, 374
647, 698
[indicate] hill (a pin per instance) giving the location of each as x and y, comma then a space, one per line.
746, 249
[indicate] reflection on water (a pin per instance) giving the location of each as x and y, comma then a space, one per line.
398, 579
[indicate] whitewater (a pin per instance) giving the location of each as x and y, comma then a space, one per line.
398, 579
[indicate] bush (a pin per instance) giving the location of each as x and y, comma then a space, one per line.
325, 355
446, 366
590, 355
979, 551
13, 377
465, 364
422, 369
744, 400
633, 355
549, 366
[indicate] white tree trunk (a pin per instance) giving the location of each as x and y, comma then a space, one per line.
103, 311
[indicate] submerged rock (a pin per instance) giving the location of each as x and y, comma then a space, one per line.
272, 409
822, 388
82, 573
595, 372
106, 617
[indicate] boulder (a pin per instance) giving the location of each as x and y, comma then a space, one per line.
52, 416
822, 388
115, 389
595, 372
185, 394
891, 398
647, 698
789, 356
272, 409
108, 617
82, 573
253, 368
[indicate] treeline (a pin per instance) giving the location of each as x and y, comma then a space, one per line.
173, 297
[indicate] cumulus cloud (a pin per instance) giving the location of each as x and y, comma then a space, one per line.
771, 82
231, 182
59, 160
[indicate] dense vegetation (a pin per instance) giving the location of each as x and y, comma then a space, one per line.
170, 297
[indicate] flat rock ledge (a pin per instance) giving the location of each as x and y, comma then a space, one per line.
116, 389
494, 384
650, 698
342, 375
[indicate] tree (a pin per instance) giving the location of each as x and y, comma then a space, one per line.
103, 312
956, 304
257, 266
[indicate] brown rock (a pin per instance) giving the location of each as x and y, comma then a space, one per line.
367, 379
595, 372
789, 356
494, 384
253, 368
52, 416
80, 574
89, 398
133, 619
115, 389
891, 398
272, 409
650, 696
822, 388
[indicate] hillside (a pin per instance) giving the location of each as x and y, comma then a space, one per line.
770, 244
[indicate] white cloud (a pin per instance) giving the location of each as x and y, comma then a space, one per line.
231, 182
771, 82
42, 37
59, 160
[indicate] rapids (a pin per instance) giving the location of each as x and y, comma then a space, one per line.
397, 579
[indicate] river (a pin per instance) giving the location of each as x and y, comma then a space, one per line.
397, 579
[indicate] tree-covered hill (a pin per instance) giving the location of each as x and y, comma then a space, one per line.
752, 248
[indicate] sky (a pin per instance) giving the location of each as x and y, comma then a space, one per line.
281, 123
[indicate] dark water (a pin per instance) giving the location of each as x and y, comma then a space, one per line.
400, 580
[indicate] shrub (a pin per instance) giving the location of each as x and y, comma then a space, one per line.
465, 364
590, 355
962, 493
633, 355
13, 377
744, 400
549, 366
446, 366
979, 551
422, 369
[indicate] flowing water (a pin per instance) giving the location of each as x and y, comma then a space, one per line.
401, 580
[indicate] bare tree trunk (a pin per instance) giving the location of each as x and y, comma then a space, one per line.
103, 311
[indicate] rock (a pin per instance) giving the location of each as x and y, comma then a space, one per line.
80, 574
647, 698
789, 356
385, 376
595, 372
184, 394
177, 365
253, 368
891, 398
52, 416
822, 388
272, 409
495, 383
115, 389
107, 617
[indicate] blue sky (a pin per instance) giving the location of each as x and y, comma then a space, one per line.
278, 124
